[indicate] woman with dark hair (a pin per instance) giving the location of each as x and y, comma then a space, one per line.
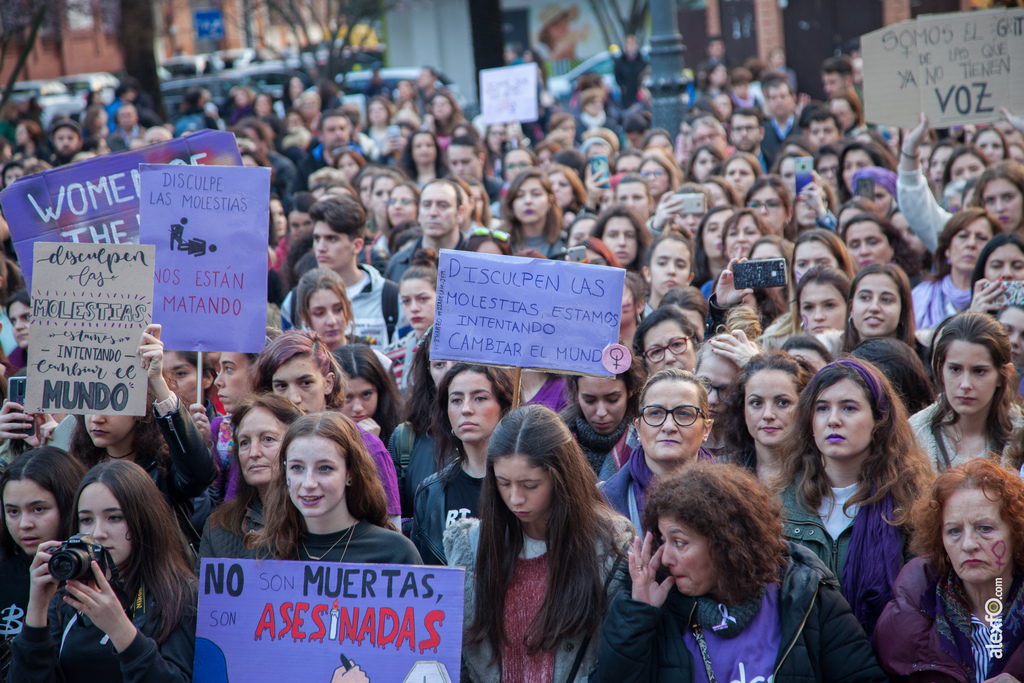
531, 215
423, 159
417, 295
880, 305
322, 305
723, 195
740, 231
666, 339
949, 289
542, 562
82, 631
821, 300
570, 194
1000, 262
625, 235
871, 239
741, 171
975, 412
600, 416
957, 608
739, 602
965, 163
769, 196
444, 115
403, 204
991, 142
471, 400
1000, 191
851, 472
808, 349
709, 258
165, 441
898, 361
325, 502
856, 155
37, 495
703, 162
669, 264
412, 442
260, 423
759, 409
488, 241
819, 248
299, 366
372, 400
672, 425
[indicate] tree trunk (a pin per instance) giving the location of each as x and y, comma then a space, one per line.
37, 21
138, 38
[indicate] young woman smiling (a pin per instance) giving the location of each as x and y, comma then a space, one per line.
325, 503
975, 412
880, 306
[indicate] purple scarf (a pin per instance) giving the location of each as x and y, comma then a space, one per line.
936, 301
643, 477
873, 562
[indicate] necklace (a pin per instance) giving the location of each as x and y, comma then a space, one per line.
351, 531
121, 457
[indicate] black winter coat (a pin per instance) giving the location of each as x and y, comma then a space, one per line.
821, 639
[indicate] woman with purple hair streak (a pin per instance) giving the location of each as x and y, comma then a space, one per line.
852, 472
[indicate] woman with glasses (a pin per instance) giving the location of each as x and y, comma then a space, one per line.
661, 173
851, 472
403, 204
673, 424
664, 339
517, 160
770, 198
531, 214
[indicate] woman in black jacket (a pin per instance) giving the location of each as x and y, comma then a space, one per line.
165, 441
133, 620
736, 603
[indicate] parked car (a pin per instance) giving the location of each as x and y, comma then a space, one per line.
268, 77
97, 81
356, 82
53, 97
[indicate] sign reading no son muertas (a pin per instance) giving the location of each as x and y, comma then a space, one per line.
97, 200
527, 313
210, 227
271, 620
90, 305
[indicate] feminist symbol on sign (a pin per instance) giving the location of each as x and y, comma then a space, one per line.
615, 358
194, 246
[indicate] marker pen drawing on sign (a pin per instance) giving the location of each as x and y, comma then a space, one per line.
334, 621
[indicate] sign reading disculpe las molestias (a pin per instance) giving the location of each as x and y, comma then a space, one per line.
210, 227
527, 313
90, 305
271, 620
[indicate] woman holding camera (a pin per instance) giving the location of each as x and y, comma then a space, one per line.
37, 494
127, 612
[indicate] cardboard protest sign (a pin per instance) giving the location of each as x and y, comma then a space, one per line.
509, 93
90, 305
527, 313
210, 228
97, 200
267, 620
963, 67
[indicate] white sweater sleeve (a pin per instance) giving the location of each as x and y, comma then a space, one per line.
923, 213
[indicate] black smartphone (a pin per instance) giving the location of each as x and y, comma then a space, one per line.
759, 274
16, 394
865, 188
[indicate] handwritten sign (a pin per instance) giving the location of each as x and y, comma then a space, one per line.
957, 68
97, 200
210, 228
266, 620
528, 313
509, 93
90, 304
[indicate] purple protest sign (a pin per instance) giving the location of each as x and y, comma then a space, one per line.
97, 200
526, 313
210, 228
267, 620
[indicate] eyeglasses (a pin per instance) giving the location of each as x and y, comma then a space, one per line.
720, 389
684, 416
496, 234
515, 167
647, 175
403, 201
744, 129
677, 346
768, 204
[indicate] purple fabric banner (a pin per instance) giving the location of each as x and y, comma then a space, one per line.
210, 226
97, 200
275, 620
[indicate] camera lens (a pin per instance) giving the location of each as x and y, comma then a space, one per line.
66, 565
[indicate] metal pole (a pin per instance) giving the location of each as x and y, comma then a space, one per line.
667, 80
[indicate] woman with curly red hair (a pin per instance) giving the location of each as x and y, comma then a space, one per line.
738, 601
958, 608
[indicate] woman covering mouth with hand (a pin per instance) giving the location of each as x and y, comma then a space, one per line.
851, 472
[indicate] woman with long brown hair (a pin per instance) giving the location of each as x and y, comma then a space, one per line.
851, 472
543, 560
531, 214
326, 503
83, 631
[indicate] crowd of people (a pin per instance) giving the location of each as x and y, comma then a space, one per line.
819, 480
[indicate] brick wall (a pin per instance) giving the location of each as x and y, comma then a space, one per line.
895, 10
770, 29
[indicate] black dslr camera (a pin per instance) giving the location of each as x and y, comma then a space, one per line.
72, 561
